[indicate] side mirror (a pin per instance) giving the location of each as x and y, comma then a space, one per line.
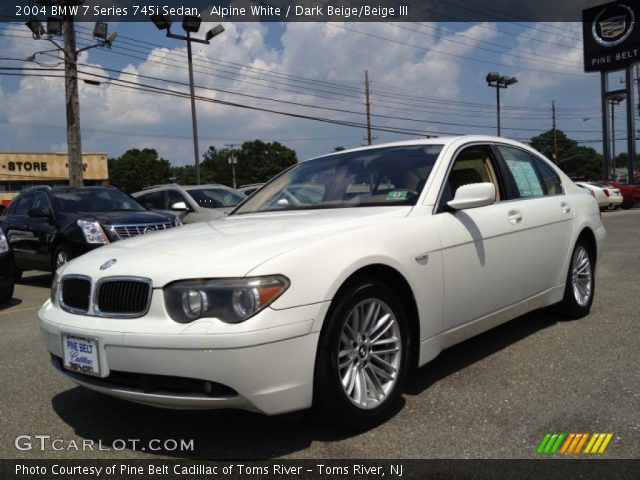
180, 207
473, 195
39, 213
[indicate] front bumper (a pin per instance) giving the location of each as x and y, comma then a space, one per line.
268, 370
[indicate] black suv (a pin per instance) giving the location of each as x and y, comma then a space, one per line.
6, 270
46, 227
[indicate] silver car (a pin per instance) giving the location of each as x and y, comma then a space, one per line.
193, 203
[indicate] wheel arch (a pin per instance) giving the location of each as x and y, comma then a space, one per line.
589, 237
399, 284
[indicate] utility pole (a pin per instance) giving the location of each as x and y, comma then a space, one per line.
555, 135
65, 27
74, 141
194, 120
368, 105
233, 161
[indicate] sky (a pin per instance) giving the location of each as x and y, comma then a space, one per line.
425, 79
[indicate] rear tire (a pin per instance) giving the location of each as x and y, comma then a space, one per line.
580, 286
363, 357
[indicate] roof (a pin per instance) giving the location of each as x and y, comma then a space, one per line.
444, 140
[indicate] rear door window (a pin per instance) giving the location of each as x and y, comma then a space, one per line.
153, 200
522, 168
24, 205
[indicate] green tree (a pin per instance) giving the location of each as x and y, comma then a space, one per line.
137, 169
544, 144
575, 160
583, 163
622, 160
184, 174
258, 161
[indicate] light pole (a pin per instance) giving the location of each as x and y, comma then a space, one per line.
190, 24
233, 160
494, 79
64, 26
615, 100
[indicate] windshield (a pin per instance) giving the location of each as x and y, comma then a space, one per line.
216, 197
96, 200
374, 177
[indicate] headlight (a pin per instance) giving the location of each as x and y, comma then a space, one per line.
177, 222
55, 286
4, 245
232, 300
93, 232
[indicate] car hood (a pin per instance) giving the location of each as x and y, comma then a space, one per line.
229, 247
126, 218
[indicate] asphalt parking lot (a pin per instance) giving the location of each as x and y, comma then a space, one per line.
494, 396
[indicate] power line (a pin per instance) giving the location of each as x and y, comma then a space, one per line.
381, 94
153, 88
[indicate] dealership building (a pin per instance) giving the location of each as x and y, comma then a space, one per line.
20, 170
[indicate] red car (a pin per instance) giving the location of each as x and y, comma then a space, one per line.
630, 193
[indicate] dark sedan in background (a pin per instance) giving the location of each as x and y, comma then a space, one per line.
45, 227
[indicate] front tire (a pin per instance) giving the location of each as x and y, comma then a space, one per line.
580, 286
6, 294
363, 357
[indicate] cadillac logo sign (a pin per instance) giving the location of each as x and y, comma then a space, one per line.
610, 35
613, 25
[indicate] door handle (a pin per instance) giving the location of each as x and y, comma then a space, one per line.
515, 216
565, 207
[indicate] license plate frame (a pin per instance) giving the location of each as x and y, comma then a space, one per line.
81, 354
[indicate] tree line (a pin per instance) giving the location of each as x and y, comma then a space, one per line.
259, 161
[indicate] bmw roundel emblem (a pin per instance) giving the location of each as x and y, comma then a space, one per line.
108, 264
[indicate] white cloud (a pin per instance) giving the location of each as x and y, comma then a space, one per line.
242, 60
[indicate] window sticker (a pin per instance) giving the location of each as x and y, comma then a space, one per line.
525, 177
397, 195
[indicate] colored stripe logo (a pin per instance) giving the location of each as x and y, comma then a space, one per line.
574, 443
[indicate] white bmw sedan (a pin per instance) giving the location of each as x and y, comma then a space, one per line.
328, 301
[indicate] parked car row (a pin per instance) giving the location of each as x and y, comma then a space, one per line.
630, 193
607, 196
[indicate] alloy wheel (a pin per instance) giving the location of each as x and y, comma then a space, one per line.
370, 353
582, 276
